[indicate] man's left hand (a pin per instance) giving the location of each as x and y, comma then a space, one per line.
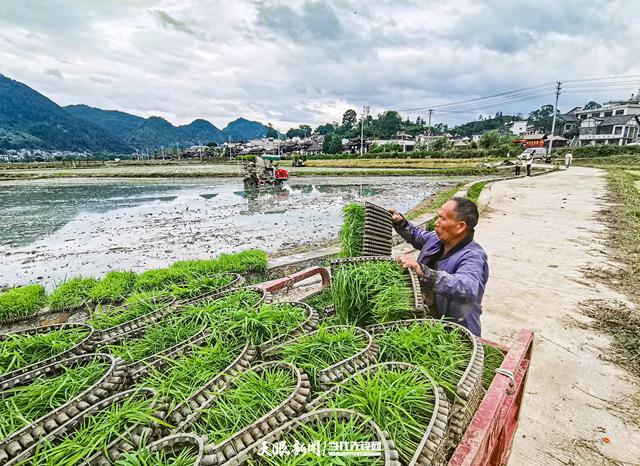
408, 262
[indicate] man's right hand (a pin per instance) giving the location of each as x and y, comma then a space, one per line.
395, 216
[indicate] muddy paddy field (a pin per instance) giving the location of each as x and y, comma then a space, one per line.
52, 230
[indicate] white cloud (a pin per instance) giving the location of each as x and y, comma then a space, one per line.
308, 61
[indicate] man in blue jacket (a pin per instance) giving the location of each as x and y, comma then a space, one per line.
452, 267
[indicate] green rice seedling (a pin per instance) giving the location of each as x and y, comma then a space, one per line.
146, 457
113, 288
21, 350
372, 292
212, 310
161, 279
21, 302
136, 305
352, 231
250, 261
400, 401
324, 348
154, 339
322, 433
259, 326
441, 352
252, 395
181, 376
72, 294
23, 404
493, 358
94, 434
201, 285
321, 301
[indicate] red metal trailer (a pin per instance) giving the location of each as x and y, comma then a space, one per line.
489, 437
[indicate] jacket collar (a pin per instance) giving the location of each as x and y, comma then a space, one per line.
461, 245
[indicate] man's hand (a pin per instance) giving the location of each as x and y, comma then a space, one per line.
408, 262
395, 216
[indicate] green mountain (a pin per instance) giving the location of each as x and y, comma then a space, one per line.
243, 130
30, 120
152, 132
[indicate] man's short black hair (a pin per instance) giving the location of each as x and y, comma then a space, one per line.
467, 211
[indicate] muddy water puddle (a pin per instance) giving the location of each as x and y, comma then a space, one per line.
52, 230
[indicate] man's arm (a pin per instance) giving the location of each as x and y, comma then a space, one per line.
466, 285
413, 235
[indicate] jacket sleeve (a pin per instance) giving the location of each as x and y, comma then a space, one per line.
466, 285
413, 235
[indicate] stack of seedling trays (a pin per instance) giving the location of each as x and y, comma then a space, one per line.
246, 407
320, 428
25, 350
132, 414
37, 402
378, 228
450, 353
327, 355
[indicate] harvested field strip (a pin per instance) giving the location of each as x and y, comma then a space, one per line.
72, 294
372, 292
21, 302
21, 405
253, 395
20, 350
401, 402
94, 434
493, 358
442, 353
328, 430
181, 377
324, 348
136, 305
154, 339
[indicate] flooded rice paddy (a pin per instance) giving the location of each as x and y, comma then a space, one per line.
51, 230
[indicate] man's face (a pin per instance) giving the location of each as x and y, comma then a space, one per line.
448, 225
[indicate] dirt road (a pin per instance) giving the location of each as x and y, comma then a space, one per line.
539, 234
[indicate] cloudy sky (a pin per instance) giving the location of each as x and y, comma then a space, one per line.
292, 62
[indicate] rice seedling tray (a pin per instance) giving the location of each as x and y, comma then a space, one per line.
237, 281
171, 444
240, 364
340, 370
378, 229
308, 325
388, 454
289, 408
28, 338
433, 447
112, 380
324, 312
469, 389
140, 333
417, 302
22, 303
134, 434
140, 321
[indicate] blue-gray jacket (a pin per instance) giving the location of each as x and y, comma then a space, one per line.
459, 278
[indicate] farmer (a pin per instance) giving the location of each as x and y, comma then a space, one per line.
568, 159
528, 161
452, 268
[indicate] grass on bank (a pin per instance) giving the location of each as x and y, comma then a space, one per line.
21, 302
623, 219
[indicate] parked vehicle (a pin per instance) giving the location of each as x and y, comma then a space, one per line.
537, 153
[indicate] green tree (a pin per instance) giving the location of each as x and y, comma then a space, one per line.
332, 144
542, 118
325, 129
592, 105
349, 119
271, 131
440, 143
388, 124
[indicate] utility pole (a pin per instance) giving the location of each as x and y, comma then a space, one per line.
555, 110
429, 130
365, 113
